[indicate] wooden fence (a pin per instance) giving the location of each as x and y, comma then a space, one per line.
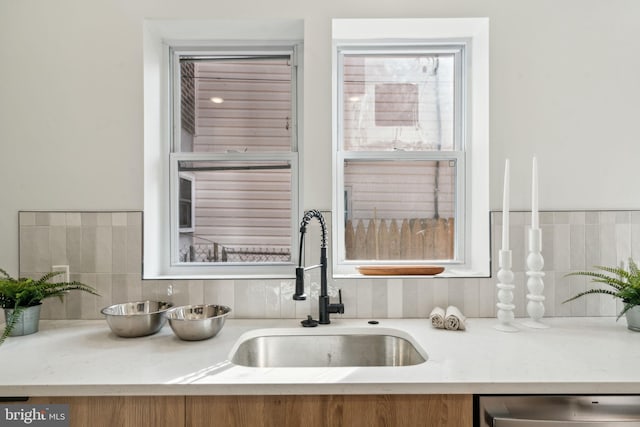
415, 238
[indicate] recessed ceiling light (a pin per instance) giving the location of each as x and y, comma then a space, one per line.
354, 98
217, 100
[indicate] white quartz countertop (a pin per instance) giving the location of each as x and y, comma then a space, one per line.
77, 357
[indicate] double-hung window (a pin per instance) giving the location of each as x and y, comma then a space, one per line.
233, 160
410, 146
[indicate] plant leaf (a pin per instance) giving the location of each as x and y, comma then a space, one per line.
12, 319
625, 283
592, 291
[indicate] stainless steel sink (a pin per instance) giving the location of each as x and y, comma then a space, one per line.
326, 350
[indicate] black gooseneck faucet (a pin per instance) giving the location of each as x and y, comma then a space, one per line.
325, 307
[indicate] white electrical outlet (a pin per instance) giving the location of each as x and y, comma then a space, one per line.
64, 268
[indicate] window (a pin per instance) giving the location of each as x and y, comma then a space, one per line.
237, 140
221, 152
410, 144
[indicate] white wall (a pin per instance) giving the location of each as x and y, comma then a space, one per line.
564, 86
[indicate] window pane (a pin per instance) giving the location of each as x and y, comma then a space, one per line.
185, 202
242, 212
398, 102
241, 104
399, 210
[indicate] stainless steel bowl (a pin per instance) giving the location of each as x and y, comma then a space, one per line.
136, 319
197, 322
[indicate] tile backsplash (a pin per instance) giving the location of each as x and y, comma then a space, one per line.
104, 249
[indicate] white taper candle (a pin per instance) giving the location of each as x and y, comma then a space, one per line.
534, 195
505, 208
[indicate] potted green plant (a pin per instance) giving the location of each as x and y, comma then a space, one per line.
624, 283
22, 298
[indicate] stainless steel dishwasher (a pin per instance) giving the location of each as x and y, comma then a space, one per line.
557, 411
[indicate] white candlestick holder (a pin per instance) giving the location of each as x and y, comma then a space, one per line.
535, 284
505, 294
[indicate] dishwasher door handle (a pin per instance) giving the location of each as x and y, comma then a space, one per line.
515, 422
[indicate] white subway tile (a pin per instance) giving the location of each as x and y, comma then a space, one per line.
394, 298
364, 301
109, 244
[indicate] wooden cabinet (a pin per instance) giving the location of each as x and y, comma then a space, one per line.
268, 411
121, 411
330, 410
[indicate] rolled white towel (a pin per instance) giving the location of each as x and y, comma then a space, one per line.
454, 319
437, 317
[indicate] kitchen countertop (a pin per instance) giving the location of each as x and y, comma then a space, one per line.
83, 357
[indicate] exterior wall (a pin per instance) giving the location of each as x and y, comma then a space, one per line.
240, 209
256, 112
252, 210
378, 115
399, 190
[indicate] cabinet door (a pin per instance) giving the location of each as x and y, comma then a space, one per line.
336, 410
121, 411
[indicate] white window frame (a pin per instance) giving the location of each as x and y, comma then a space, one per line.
471, 150
162, 41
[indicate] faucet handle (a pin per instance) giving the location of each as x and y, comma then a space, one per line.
338, 308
